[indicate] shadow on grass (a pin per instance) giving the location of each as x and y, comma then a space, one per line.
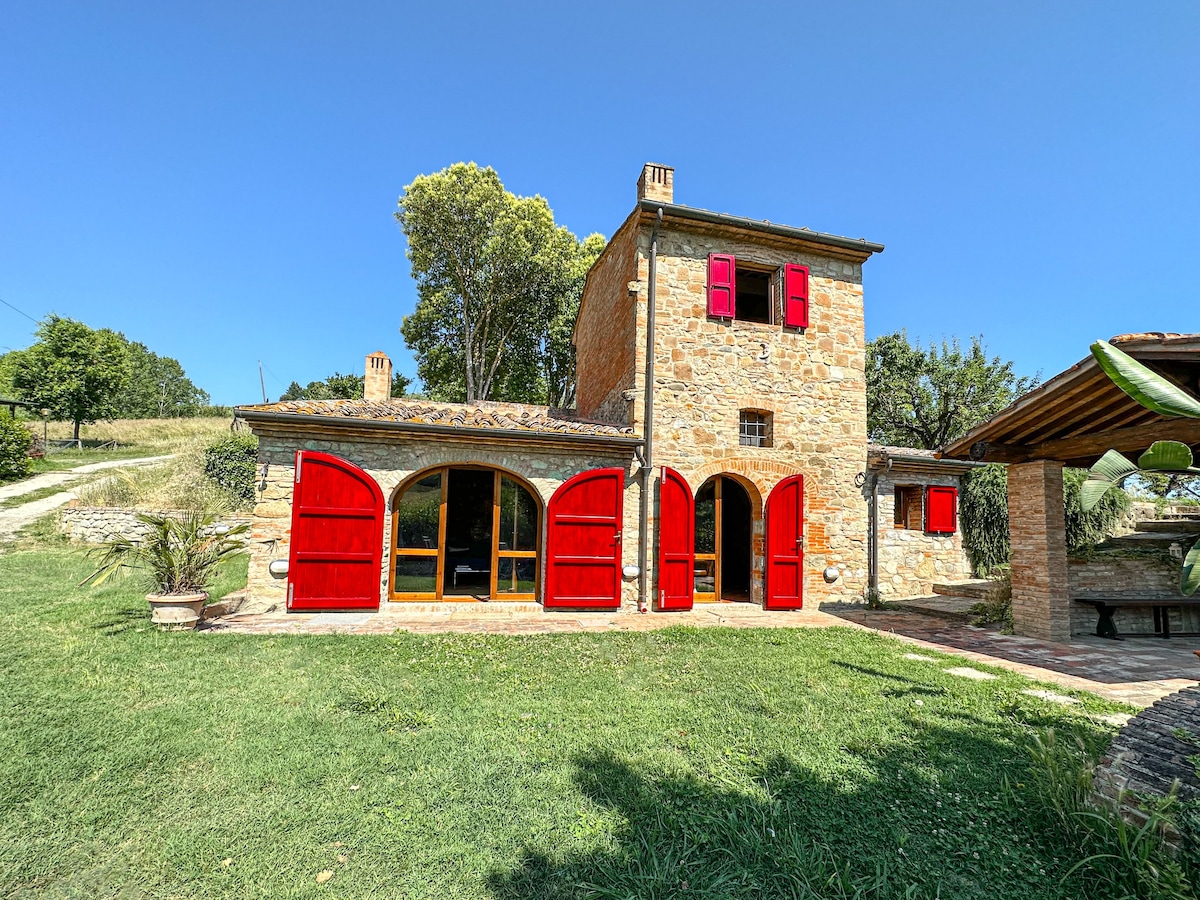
119, 620
881, 827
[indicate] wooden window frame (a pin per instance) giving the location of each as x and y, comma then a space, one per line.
438, 594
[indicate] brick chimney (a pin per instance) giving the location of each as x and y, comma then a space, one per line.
378, 382
657, 183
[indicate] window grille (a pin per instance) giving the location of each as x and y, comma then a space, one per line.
754, 429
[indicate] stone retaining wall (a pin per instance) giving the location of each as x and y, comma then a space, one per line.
1137, 577
97, 524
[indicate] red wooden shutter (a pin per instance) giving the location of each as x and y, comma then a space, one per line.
785, 545
676, 542
583, 541
336, 558
722, 285
941, 509
795, 296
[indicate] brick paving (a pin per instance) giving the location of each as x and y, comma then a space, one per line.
1137, 671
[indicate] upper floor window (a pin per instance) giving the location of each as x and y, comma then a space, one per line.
757, 293
754, 428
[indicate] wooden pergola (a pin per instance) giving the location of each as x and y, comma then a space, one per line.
1071, 420
13, 404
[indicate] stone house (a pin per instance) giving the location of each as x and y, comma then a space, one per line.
912, 499
717, 452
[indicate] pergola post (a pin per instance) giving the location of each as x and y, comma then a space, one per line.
1041, 602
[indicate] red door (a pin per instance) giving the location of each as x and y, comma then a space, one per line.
583, 541
337, 535
676, 542
785, 545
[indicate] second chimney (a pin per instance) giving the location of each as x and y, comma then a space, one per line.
657, 183
377, 384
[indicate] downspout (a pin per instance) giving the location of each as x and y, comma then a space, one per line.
873, 546
648, 428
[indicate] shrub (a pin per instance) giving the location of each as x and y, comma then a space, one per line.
997, 603
983, 513
15, 443
230, 463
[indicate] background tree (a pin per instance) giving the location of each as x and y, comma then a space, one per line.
158, 388
72, 370
495, 277
341, 387
928, 398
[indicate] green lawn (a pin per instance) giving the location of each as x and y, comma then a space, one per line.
682, 763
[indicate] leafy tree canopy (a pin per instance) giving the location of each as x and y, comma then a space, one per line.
340, 387
74, 371
157, 388
498, 287
927, 398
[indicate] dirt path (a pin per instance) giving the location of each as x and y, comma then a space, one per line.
15, 518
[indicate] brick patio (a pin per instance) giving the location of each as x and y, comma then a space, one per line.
1137, 671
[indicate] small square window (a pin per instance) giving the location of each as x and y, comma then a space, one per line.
909, 509
753, 296
754, 428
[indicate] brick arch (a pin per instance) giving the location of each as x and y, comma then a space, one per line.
760, 474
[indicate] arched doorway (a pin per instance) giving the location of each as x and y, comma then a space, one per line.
465, 533
724, 541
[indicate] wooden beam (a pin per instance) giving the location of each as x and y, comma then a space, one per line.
1125, 440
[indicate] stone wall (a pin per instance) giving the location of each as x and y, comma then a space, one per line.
911, 560
1142, 577
97, 524
1153, 755
390, 459
811, 383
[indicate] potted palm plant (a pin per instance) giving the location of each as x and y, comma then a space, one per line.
177, 559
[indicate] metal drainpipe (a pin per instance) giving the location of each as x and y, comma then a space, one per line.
873, 547
648, 427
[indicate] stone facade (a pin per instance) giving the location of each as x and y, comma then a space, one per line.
391, 460
810, 382
911, 559
97, 524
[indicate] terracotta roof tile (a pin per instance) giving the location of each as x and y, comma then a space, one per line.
510, 417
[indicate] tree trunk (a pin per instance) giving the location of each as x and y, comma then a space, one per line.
76, 431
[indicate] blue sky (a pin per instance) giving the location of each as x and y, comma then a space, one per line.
217, 180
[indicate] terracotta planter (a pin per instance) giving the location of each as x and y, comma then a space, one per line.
176, 610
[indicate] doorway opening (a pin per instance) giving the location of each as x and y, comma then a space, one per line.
724, 541
465, 533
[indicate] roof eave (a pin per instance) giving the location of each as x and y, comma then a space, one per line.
859, 248
421, 428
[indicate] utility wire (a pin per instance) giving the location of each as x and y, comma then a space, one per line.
21, 311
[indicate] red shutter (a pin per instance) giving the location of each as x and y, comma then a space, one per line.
785, 545
941, 509
336, 558
722, 285
676, 542
795, 296
583, 541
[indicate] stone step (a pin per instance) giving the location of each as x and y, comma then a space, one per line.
1169, 526
952, 609
1146, 540
974, 588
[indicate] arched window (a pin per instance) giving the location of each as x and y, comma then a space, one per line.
465, 532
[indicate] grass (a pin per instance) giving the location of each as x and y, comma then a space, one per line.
704, 763
134, 438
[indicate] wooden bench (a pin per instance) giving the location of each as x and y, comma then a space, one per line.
1106, 606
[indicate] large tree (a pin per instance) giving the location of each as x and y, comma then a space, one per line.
927, 398
341, 387
74, 371
158, 388
496, 281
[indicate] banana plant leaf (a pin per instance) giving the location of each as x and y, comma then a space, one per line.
1167, 456
1110, 469
1144, 385
1189, 580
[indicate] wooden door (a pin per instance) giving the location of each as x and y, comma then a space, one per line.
583, 541
337, 535
785, 545
676, 542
